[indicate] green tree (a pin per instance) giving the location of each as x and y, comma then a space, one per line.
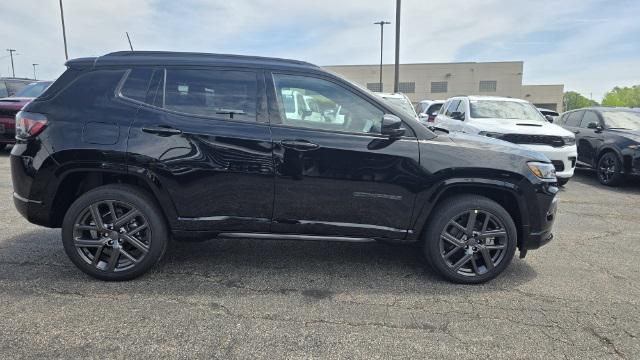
623, 96
573, 100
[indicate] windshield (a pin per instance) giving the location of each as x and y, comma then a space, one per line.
402, 104
33, 90
493, 109
622, 119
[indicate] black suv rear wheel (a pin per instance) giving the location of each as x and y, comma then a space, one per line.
114, 232
470, 239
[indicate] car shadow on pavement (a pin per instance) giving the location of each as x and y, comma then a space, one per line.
309, 269
588, 177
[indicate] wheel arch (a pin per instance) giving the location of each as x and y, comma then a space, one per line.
503, 193
76, 181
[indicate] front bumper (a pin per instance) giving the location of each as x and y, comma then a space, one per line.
544, 234
564, 158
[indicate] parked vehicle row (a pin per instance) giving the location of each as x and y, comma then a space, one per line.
608, 141
9, 107
512, 120
130, 149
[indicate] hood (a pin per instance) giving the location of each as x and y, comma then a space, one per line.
631, 134
513, 126
495, 145
14, 103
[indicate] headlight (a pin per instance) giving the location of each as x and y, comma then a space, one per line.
542, 170
569, 140
491, 134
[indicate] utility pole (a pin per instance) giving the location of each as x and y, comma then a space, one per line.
382, 23
64, 33
34, 71
396, 82
13, 70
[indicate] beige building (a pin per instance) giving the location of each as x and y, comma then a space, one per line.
440, 81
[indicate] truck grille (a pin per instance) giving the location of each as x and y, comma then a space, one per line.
555, 141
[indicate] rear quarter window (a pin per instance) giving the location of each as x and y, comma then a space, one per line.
136, 85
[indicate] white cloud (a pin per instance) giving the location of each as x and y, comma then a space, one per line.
337, 32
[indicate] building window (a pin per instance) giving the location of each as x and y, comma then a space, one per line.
488, 85
439, 86
375, 87
407, 87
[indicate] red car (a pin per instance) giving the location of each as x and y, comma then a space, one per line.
10, 106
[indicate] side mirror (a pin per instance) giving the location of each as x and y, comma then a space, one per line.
457, 115
549, 118
306, 113
392, 126
594, 125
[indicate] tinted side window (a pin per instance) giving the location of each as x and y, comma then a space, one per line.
321, 104
3, 89
137, 83
453, 106
433, 108
589, 117
573, 119
214, 93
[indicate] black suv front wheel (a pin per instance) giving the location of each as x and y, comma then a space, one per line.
114, 232
470, 239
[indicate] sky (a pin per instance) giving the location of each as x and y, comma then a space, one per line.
590, 46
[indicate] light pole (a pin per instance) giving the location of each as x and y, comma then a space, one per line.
13, 70
396, 81
64, 33
34, 71
382, 24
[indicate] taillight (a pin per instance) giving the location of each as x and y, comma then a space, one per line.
29, 124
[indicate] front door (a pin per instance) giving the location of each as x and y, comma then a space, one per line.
204, 136
590, 139
336, 175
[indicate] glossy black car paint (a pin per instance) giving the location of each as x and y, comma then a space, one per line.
214, 176
593, 143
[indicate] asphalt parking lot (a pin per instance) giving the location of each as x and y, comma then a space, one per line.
578, 297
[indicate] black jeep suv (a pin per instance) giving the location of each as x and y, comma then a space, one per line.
131, 149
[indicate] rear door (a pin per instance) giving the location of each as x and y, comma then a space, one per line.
338, 176
203, 135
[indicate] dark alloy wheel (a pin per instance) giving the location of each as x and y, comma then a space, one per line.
471, 239
609, 169
114, 232
111, 235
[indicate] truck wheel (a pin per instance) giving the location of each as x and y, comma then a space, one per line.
609, 169
114, 232
2, 146
563, 181
469, 239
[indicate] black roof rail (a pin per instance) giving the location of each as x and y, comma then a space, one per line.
177, 54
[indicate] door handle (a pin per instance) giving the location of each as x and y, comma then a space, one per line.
576, 131
300, 145
161, 130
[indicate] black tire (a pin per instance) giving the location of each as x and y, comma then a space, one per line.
136, 243
563, 181
2, 146
609, 169
452, 210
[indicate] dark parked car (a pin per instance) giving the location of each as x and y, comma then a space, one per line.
130, 149
608, 140
10, 106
